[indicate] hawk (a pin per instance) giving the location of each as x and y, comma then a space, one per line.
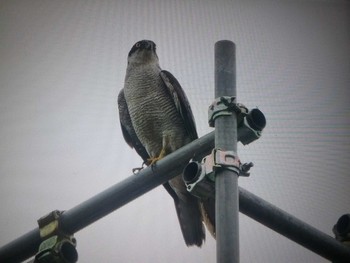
156, 119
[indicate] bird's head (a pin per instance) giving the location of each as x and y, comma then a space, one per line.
143, 52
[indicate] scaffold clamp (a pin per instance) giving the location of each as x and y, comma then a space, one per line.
57, 246
224, 106
200, 177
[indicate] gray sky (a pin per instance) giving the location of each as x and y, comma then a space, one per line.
62, 64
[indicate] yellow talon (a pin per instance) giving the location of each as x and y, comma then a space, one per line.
153, 160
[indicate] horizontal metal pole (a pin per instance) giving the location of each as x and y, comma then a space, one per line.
132, 187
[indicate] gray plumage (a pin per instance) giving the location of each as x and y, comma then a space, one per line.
156, 119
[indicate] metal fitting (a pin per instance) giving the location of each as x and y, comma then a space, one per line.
250, 127
58, 246
200, 177
223, 106
249, 123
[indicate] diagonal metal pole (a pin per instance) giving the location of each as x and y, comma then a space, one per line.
133, 186
114, 197
226, 181
292, 228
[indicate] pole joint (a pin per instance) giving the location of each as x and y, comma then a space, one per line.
58, 245
200, 177
225, 106
226, 160
250, 123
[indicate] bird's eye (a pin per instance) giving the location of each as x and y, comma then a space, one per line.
138, 44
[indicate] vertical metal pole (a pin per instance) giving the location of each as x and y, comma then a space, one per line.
226, 183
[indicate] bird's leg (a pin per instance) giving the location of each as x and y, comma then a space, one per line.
153, 160
163, 152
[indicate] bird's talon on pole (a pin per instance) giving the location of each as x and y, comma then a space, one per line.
137, 170
153, 160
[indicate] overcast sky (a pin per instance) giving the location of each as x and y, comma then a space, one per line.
62, 64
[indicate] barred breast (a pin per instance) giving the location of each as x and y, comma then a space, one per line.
153, 112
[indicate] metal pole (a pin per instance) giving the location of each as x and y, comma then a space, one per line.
110, 199
251, 205
226, 181
292, 227
129, 189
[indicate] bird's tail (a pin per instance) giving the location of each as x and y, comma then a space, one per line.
208, 213
190, 219
188, 212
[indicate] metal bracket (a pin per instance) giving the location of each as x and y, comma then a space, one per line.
229, 160
200, 177
244, 169
58, 246
49, 225
224, 106
226, 160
